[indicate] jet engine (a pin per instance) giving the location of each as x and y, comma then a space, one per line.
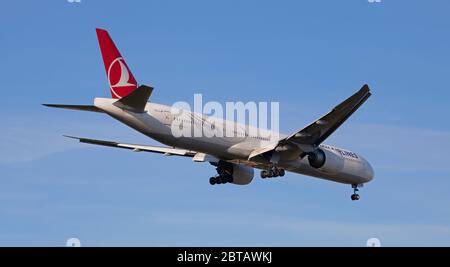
242, 174
326, 161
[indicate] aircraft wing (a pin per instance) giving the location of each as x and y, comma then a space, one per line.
306, 139
321, 129
168, 151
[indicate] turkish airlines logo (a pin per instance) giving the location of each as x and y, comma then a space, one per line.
120, 80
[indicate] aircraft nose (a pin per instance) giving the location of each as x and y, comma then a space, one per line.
369, 172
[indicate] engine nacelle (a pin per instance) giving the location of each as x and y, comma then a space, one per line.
326, 161
242, 174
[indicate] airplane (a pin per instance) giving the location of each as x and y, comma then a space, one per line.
234, 158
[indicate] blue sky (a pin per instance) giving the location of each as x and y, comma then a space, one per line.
308, 55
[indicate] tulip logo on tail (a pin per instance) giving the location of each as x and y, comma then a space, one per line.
120, 80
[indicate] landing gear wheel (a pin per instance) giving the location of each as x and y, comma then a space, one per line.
264, 174
355, 195
276, 173
272, 172
224, 173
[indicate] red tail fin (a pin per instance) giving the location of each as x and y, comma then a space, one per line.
121, 80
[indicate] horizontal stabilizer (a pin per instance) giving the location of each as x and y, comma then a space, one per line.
75, 107
136, 100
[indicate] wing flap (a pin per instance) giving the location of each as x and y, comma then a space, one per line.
260, 151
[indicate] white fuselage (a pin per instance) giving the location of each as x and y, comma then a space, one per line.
157, 120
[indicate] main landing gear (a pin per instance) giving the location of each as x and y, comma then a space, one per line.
355, 196
224, 173
218, 179
272, 172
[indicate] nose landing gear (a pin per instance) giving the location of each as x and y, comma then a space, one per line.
355, 196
